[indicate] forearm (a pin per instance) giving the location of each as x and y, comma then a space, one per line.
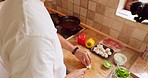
82, 54
66, 44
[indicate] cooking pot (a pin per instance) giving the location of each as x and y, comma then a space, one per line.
69, 22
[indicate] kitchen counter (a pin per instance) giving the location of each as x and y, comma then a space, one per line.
97, 70
140, 68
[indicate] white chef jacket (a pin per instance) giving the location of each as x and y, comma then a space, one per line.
29, 45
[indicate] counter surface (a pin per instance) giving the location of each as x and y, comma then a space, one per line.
97, 70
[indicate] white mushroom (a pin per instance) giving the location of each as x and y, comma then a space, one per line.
106, 55
102, 55
107, 49
109, 53
100, 46
103, 50
98, 51
95, 49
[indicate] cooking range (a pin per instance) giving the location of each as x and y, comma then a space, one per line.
66, 33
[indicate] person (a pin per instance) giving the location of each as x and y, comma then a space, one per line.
29, 44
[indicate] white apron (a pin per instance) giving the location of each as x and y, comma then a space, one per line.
29, 45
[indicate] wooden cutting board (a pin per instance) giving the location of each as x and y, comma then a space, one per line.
97, 69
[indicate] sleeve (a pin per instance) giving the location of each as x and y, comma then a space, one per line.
33, 57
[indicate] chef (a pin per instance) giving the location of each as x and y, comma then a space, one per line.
29, 44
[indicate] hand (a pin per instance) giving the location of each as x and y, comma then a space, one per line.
77, 73
83, 56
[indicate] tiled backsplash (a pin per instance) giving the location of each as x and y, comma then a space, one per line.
100, 14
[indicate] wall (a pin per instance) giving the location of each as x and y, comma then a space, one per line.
100, 14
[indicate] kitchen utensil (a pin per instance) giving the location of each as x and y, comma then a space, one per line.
69, 22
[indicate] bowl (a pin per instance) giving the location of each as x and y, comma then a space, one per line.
121, 72
120, 58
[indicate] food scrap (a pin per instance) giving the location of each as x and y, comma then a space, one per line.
88, 67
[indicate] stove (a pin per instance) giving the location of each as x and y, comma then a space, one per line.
66, 33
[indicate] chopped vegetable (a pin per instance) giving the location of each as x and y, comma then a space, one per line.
122, 72
107, 64
88, 67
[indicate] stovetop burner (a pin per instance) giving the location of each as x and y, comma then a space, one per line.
66, 33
